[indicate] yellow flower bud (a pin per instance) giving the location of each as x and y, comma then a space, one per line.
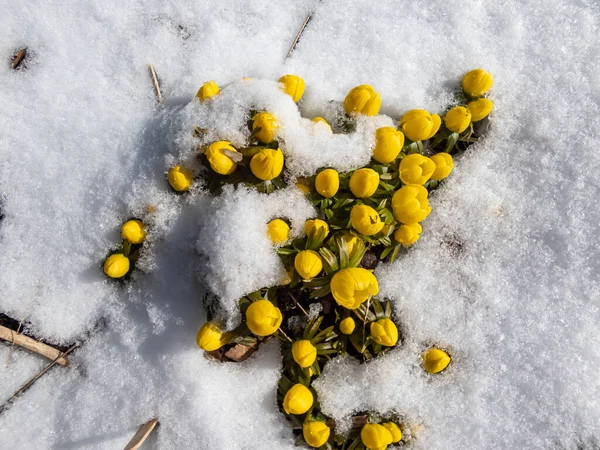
267, 164
218, 160
312, 227
180, 179
351, 242
347, 325
278, 231
350, 287
394, 429
416, 169
362, 100
316, 433
116, 266
268, 127
208, 90
419, 125
298, 399
304, 353
443, 166
480, 108
364, 183
375, 436
308, 264
408, 234
263, 318
410, 204
323, 121
211, 337
384, 332
365, 220
304, 188
477, 82
133, 231
293, 86
327, 183
457, 119
388, 144
435, 360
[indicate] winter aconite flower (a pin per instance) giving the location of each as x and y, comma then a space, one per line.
435, 360
480, 108
388, 144
322, 121
308, 264
263, 318
457, 119
365, 220
208, 90
416, 169
133, 231
364, 183
304, 353
362, 100
278, 231
347, 325
312, 227
180, 179
268, 127
384, 332
419, 125
327, 183
293, 86
211, 337
350, 287
408, 234
443, 166
395, 430
375, 436
116, 265
219, 157
410, 204
477, 82
298, 399
267, 164
315, 433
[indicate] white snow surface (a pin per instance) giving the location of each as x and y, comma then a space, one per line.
505, 275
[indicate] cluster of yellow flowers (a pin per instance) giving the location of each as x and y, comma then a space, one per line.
118, 264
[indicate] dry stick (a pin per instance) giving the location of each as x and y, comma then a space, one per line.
141, 435
298, 36
155, 82
19, 58
299, 306
31, 344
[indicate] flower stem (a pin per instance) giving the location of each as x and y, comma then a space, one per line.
285, 335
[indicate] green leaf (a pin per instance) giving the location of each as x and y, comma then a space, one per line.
321, 292
386, 252
329, 259
342, 246
451, 142
312, 327
286, 251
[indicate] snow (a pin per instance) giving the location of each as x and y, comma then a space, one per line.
504, 276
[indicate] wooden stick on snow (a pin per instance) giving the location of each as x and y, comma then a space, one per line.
155, 82
298, 36
142, 434
32, 345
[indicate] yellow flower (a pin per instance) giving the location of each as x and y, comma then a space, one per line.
408, 234
308, 264
388, 144
263, 318
416, 169
208, 90
304, 188
298, 399
133, 231
351, 242
418, 124
435, 360
347, 325
313, 226
327, 183
350, 287
218, 160
362, 100
410, 204
211, 337
395, 430
316, 433
364, 183
293, 86
480, 108
304, 353
443, 166
323, 121
384, 332
278, 231
268, 127
457, 119
477, 82
267, 164
116, 266
180, 179
375, 436
365, 220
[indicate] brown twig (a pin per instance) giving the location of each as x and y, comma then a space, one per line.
142, 434
155, 82
18, 59
30, 344
298, 36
